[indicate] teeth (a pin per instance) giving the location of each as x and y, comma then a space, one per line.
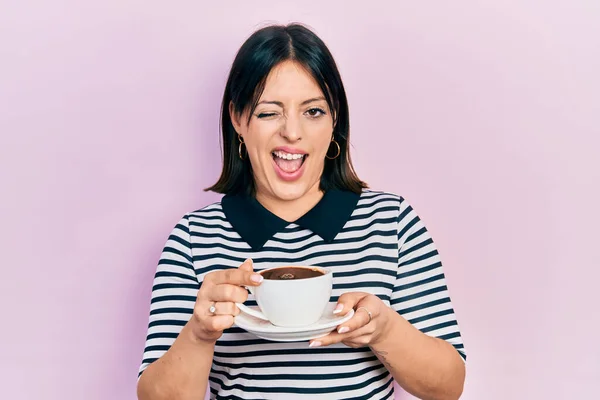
287, 156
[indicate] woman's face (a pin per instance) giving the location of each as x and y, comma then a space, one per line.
288, 135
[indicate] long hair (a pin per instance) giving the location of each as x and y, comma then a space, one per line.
260, 53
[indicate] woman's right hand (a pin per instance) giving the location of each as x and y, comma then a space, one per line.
221, 289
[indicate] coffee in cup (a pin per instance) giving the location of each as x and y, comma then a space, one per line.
290, 273
291, 296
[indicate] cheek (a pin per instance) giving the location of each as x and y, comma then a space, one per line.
324, 148
322, 141
257, 141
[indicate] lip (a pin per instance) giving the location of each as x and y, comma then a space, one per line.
289, 150
287, 176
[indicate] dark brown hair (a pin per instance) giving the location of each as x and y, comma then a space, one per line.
260, 53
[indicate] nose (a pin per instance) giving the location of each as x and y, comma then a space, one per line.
291, 129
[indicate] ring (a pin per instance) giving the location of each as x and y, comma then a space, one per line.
212, 309
368, 312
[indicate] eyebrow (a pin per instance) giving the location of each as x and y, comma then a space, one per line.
280, 104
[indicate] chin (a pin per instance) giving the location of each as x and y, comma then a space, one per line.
289, 191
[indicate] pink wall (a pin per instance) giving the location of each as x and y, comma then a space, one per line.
484, 116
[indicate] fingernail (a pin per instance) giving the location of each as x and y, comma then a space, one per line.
338, 309
256, 278
316, 343
343, 329
248, 260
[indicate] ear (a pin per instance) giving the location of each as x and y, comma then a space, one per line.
235, 118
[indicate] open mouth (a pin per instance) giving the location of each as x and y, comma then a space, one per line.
288, 163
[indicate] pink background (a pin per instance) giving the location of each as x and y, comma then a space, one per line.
485, 116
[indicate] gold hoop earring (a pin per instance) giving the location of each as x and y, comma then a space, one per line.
240, 147
339, 150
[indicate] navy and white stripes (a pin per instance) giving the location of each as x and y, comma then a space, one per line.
383, 249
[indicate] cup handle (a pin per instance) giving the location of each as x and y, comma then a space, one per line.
252, 312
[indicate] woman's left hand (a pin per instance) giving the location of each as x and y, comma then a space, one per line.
368, 325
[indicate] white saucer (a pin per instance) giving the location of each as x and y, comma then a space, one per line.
266, 330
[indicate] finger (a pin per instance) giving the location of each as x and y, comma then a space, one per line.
328, 340
236, 276
210, 324
224, 308
358, 342
348, 301
247, 265
228, 293
335, 337
359, 319
219, 323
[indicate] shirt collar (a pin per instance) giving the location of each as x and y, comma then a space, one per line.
256, 225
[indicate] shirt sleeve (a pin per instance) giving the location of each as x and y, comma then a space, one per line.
420, 293
173, 294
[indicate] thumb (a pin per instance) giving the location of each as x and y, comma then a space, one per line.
247, 265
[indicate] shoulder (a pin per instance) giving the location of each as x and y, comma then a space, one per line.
213, 209
396, 204
376, 197
205, 217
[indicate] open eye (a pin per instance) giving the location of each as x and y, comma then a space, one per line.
315, 112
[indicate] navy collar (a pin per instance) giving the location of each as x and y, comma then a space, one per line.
256, 225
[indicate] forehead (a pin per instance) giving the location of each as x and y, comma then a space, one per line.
290, 81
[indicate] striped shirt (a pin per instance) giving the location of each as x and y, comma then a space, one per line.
373, 242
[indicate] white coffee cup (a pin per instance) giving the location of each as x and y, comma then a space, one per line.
291, 302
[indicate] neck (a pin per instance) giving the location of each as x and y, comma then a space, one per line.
290, 210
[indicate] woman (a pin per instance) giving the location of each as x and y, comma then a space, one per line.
293, 197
